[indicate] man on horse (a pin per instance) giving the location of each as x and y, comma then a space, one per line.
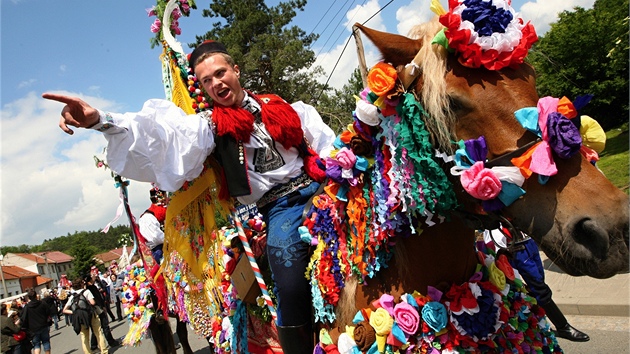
261, 142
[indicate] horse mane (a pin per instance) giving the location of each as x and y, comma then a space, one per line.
432, 59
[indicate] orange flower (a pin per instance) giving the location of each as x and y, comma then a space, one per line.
382, 78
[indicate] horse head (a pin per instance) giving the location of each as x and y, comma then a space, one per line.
578, 218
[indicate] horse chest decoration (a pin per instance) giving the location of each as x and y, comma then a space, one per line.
395, 267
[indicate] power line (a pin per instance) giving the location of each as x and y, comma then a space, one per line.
346, 45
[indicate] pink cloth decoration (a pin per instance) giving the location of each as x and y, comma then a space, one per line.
546, 105
542, 160
387, 302
480, 182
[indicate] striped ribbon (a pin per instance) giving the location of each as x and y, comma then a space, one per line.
252, 262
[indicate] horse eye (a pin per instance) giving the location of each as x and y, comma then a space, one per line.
455, 104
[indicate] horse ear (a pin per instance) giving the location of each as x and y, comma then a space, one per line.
395, 49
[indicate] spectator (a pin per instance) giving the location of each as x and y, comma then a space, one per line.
35, 321
52, 302
10, 328
93, 283
80, 306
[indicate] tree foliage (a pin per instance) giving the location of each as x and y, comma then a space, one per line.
83, 253
273, 56
100, 241
336, 107
586, 51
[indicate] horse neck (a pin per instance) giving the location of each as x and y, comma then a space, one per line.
440, 256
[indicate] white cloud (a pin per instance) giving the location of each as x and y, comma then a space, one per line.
26, 83
50, 185
62, 68
544, 12
418, 11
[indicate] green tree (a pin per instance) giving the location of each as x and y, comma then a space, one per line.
586, 51
274, 57
83, 254
336, 107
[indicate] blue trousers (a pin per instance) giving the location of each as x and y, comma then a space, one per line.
529, 265
288, 256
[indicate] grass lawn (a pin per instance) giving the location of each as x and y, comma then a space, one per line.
614, 160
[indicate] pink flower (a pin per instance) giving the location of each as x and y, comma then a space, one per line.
346, 158
156, 26
481, 182
407, 317
151, 12
176, 14
100, 164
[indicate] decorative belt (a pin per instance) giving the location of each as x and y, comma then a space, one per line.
281, 190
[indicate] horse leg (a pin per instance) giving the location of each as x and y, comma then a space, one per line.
182, 334
162, 337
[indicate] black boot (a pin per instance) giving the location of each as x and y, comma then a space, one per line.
563, 328
296, 339
572, 334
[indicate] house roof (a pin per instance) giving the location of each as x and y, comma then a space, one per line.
43, 280
52, 257
112, 254
13, 272
56, 256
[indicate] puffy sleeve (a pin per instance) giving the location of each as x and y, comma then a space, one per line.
318, 133
150, 230
160, 144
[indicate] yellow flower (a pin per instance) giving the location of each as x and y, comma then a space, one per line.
497, 277
382, 78
381, 321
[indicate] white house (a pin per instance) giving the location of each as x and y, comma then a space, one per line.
47, 264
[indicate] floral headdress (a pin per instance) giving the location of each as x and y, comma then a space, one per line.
484, 33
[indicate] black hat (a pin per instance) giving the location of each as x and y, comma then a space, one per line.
208, 46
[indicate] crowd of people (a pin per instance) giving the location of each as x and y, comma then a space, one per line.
26, 322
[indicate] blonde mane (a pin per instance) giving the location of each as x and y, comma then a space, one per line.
433, 93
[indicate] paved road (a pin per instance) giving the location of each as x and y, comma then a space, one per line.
609, 334
65, 341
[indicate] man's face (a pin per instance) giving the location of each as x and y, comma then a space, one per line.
220, 80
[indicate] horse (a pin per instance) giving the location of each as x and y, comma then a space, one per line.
578, 218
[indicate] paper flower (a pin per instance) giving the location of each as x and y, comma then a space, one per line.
435, 315
406, 317
382, 78
364, 335
487, 33
504, 265
481, 182
381, 321
564, 136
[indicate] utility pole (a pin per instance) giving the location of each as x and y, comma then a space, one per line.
361, 55
4, 285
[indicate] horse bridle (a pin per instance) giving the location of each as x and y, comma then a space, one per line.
495, 220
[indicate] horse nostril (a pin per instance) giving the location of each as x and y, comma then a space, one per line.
592, 236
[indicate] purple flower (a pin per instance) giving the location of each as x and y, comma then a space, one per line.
564, 137
156, 26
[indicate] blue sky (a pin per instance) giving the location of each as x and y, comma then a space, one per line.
100, 51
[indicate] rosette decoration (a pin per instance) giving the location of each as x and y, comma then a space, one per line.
551, 121
485, 33
500, 186
475, 316
384, 180
496, 187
